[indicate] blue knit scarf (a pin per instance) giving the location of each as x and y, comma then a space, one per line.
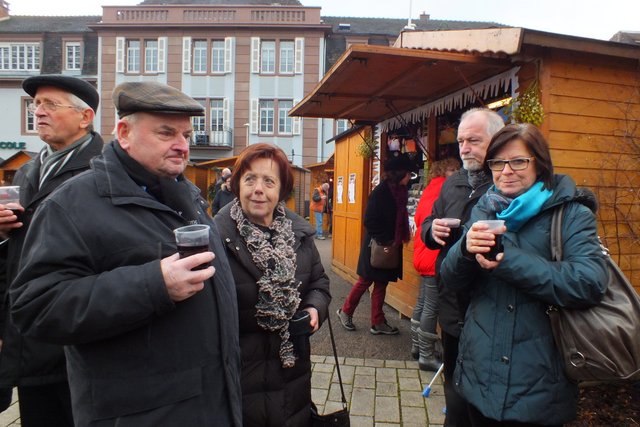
516, 212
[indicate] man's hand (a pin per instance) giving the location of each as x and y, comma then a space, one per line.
440, 232
8, 220
181, 281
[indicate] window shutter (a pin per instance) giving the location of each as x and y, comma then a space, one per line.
162, 47
226, 118
299, 55
253, 128
119, 54
255, 55
228, 54
186, 55
296, 122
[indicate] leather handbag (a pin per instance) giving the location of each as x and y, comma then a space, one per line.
384, 256
339, 418
601, 343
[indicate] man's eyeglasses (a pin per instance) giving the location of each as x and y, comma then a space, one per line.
48, 106
518, 164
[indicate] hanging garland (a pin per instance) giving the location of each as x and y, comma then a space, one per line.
366, 147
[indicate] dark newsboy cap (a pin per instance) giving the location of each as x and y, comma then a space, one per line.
73, 85
153, 97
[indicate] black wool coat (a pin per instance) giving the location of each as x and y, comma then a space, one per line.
25, 361
273, 396
95, 284
379, 224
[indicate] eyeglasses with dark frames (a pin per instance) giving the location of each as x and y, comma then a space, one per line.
517, 164
48, 106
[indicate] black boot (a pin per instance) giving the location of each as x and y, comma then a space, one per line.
415, 348
427, 360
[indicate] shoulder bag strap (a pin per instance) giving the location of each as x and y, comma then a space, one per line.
335, 356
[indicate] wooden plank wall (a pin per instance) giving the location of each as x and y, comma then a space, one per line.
592, 122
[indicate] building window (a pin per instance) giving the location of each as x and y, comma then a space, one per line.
30, 118
266, 116
268, 57
285, 123
151, 56
133, 56
73, 56
341, 126
23, 57
287, 56
217, 56
200, 56
217, 115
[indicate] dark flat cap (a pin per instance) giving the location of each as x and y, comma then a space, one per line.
399, 162
152, 97
73, 85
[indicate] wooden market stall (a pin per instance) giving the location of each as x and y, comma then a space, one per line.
589, 92
9, 166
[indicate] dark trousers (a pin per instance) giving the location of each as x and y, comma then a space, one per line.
479, 420
377, 299
457, 408
46, 405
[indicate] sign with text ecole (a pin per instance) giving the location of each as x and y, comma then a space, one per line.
12, 145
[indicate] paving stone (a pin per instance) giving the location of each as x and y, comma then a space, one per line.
321, 380
332, 406
386, 375
365, 370
411, 364
387, 425
412, 398
394, 363
414, 416
323, 367
334, 392
408, 373
354, 361
360, 421
318, 359
387, 409
362, 401
410, 384
364, 381
435, 404
347, 373
386, 389
376, 363
319, 395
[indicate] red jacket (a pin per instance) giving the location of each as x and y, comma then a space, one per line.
424, 259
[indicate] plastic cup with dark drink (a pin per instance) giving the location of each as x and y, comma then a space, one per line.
451, 222
495, 226
191, 240
10, 198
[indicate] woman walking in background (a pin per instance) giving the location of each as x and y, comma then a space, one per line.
385, 220
425, 312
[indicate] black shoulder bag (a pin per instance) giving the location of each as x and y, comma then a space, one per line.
339, 418
601, 343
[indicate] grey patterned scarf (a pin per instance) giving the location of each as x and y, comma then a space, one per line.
278, 289
53, 162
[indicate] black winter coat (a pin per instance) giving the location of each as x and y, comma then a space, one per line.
379, 224
24, 361
457, 199
274, 396
134, 356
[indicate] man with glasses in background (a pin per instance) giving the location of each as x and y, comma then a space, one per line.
64, 108
458, 196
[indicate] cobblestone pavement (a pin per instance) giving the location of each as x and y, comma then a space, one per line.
379, 392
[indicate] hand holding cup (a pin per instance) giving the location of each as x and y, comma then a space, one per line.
441, 229
485, 238
191, 240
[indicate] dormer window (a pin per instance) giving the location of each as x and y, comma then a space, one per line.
344, 27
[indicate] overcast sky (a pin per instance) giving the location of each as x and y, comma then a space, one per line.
587, 18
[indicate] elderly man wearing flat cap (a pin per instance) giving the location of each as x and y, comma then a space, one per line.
150, 339
64, 108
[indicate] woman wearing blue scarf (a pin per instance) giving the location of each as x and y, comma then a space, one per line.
508, 368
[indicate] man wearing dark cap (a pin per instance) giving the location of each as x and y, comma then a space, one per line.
64, 108
150, 340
